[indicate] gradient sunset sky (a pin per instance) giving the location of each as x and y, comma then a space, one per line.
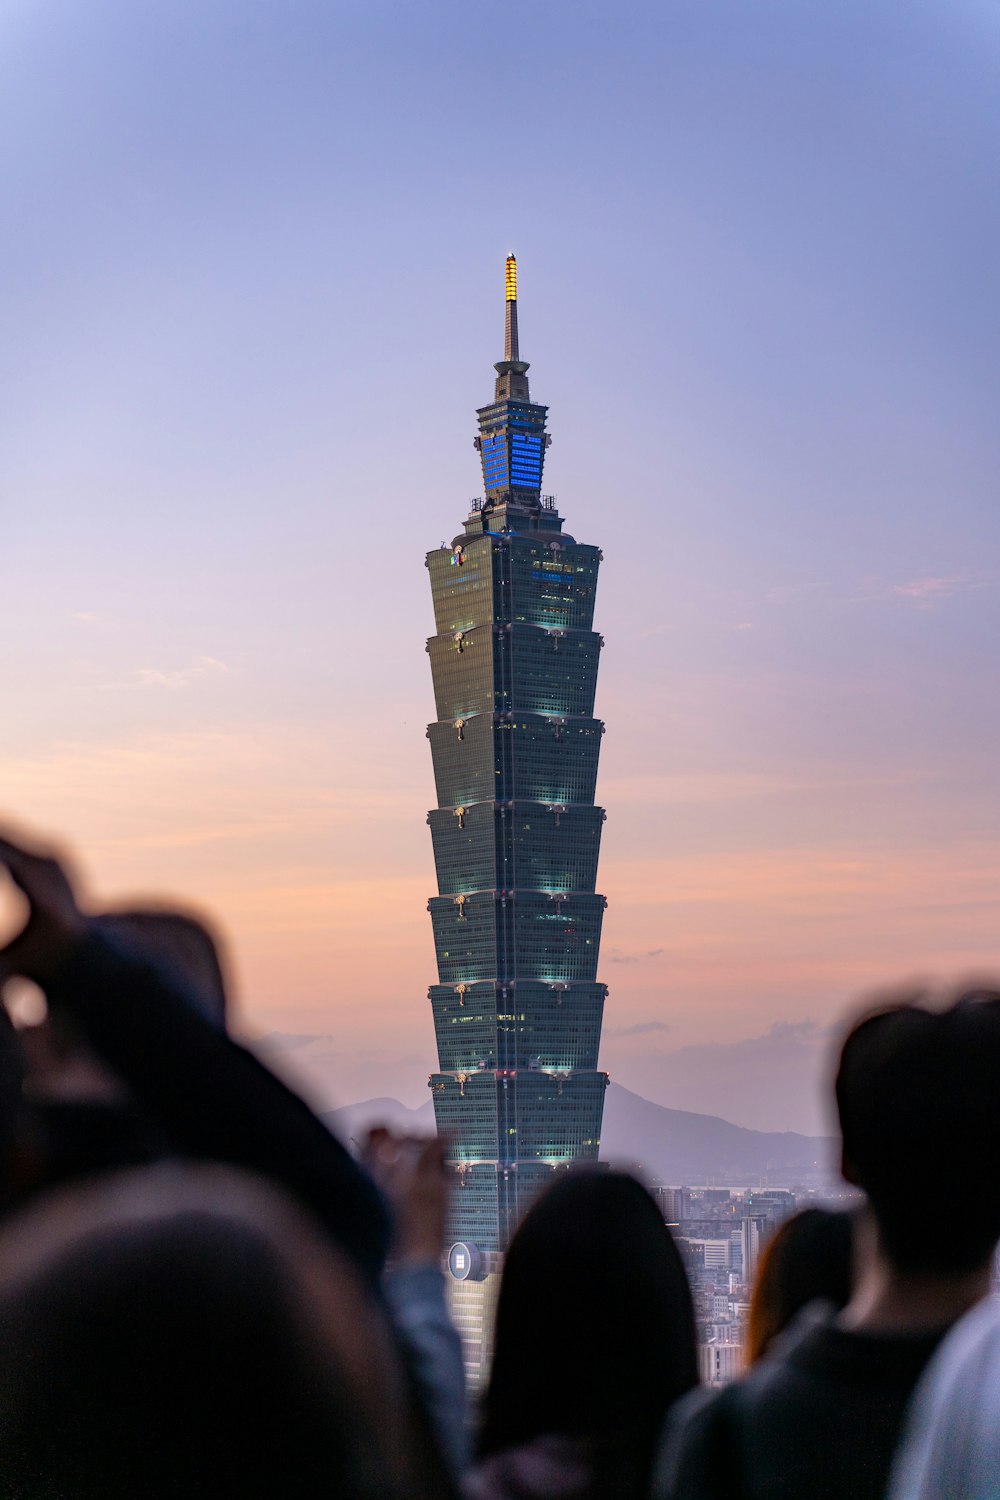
251, 294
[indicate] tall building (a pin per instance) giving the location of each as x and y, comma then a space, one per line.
674, 1203
517, 920
753, 1235
719, 1362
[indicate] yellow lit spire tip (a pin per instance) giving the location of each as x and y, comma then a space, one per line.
511, 279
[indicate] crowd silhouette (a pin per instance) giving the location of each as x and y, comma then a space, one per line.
203, 1293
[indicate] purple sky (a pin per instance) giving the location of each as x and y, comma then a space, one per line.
251, 296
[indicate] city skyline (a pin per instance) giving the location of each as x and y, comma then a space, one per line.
247, 296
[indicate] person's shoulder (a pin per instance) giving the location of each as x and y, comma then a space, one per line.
967, 1362
708, 1433
952, 1426
705, 1407
698, 1450
809, 1331
974, 1335
710, 1411
550, 1467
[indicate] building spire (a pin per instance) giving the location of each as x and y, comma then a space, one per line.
512, 370
510, 349
512, 437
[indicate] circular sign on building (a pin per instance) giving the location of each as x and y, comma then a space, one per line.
465, 1262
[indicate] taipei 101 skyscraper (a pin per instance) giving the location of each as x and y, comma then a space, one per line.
517, 921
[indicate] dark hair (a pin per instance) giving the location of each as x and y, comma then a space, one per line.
917, 1093
595, 1329
181, 943
809, 1258
176, 1333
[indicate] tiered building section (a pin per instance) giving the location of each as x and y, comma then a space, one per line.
517, 920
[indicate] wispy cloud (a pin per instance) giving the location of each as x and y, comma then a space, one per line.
924, 590
181, 677
641, 1028
929, 590
616, 956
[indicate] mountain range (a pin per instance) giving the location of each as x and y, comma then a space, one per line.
668, 1145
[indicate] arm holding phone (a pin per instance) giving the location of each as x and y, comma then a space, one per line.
212, 1096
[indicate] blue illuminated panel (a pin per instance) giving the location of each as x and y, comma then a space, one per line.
513, 449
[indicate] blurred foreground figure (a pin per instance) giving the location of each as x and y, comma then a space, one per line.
952, 1446
149, 1029
594, 1341
808, 1260
820, 1415
133, 1065
178, 1331
413, 1173
83, 1116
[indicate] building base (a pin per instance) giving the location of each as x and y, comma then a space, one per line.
473, 1309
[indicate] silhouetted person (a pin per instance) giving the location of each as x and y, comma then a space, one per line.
594, 1341
141, 999
182, 1332
820, 1415
179, 942
807, 1260
84, 1116
210, 1097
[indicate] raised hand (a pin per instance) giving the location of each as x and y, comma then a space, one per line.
55, 921
413, 1174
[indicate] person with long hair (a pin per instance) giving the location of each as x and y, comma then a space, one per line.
808, 1260
595, 1341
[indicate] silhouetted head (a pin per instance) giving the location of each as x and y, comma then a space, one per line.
918, 1092
180, 1332
808, 1259
594, 1329
85, 1118
181, 944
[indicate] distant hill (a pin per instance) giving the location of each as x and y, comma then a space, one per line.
670, 1145
352, 1120
674, 1145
